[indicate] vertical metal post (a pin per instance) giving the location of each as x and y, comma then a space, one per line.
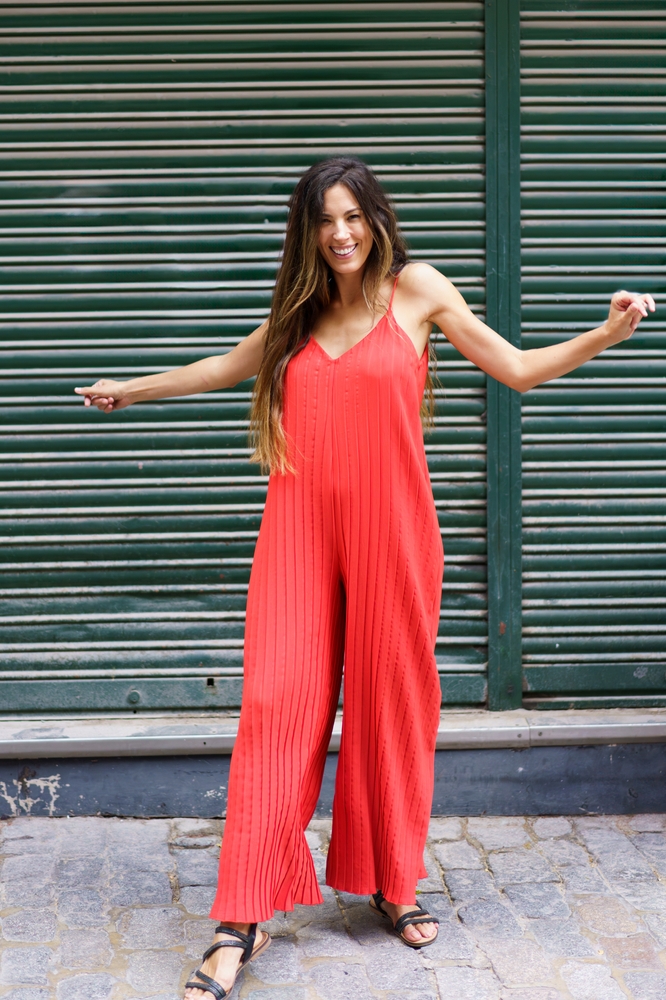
503, 314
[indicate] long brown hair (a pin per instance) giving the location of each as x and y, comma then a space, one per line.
303, 289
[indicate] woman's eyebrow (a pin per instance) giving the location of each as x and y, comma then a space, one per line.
325, 215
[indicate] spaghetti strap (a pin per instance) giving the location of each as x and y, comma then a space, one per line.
395, 285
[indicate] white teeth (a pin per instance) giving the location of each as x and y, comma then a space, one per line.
344, 252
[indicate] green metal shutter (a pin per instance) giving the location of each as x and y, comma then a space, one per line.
146, 158
594, 443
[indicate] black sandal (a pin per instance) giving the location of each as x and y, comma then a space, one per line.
246, 942
417, 916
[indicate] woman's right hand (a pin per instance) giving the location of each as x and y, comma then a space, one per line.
106, 394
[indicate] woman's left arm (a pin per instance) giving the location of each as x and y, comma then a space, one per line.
521, 370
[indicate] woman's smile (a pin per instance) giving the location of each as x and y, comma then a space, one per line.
344, 251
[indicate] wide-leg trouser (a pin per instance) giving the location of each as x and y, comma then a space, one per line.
323, 588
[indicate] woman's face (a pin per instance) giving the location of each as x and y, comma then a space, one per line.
344, 237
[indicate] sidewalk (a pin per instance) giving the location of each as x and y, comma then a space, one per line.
542, 909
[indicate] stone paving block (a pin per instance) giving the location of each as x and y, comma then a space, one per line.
653, 847
657, 925
470, 885
583, 823
27, 993
445, 828
588, 981
95, 986
32, 871
495, 832
519, 963
647, 823
583, 880
196, 867
463, 983
20, 966
436, 903
617, 857
537, 899
562, 938
511, 867
288, 993
323, 940
457, 854
80, 836
28, 896
314, 839
404, 971
151, 927
84, 949
140, 889
533, 993
341, 981
434, 882
196, 843
198, 899
152, 971
642, 894
280, 964
82, 908
284, 924
198, 936
646, 985
489, 918
319, 862
21, 839
79, 873
30, 925
564, 853
185, 826
606, 915
368, 929
452, 944
637, 951
552, 826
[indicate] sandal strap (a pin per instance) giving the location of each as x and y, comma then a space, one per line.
245, 941
222, 929
379, 899
211, 986
249, 947
419, 916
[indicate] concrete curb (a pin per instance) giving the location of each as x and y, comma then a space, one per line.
174, 735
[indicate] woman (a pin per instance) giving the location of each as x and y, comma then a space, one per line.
349, 558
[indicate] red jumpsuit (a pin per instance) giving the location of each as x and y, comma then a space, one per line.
348, 565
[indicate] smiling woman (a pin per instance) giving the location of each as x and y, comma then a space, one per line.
348, 564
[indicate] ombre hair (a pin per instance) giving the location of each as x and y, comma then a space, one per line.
303, 290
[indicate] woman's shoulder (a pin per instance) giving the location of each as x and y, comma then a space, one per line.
418, 274
421, 281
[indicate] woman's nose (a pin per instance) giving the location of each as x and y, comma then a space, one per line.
341, 231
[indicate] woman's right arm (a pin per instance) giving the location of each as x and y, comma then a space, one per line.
218, 372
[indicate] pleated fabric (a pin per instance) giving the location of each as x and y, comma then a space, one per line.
348, 568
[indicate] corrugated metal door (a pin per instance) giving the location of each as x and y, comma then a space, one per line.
594, 474
147, 155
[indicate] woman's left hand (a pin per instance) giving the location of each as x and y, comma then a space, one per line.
627, 309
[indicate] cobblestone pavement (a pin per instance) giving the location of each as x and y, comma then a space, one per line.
530, 909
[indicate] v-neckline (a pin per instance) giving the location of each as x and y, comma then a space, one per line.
353, 347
